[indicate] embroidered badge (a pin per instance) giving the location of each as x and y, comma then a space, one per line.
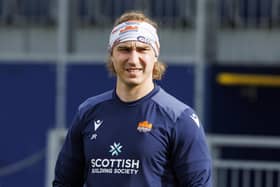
144, 126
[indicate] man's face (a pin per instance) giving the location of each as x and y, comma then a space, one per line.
133, 62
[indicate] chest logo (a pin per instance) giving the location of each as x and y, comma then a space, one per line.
93, 136
144, 126
97, 124
115, 149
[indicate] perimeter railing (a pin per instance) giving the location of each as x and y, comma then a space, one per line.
245, 161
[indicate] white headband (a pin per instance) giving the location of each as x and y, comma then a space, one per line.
135, 31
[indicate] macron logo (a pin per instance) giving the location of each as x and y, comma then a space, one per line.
97, 124
195, 118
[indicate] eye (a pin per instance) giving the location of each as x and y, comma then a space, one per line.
124, 49
143, 49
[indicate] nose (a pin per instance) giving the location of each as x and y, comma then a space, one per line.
133, 56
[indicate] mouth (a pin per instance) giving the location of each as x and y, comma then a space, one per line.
133, 70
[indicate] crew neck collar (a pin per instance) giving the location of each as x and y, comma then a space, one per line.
138, 101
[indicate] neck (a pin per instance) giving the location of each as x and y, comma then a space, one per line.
132, 93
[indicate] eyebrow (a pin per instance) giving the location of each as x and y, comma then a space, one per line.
130, 47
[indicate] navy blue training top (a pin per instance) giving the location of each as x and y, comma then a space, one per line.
156, 141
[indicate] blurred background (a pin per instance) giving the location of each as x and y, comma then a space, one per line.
223, 59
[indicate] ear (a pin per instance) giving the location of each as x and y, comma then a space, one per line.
111, 58
158, 54
111, 55
155, 59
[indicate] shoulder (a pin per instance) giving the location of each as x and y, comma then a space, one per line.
95, 100
173, 107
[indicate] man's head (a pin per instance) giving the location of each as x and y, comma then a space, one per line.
135, 26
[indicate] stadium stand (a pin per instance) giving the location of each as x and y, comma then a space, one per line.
233, 13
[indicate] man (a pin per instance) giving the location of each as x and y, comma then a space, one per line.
136, 135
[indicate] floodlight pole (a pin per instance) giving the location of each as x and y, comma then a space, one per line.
65, 46
206, 53
206, 49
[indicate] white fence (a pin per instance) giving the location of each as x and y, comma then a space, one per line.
253, 172
55, 140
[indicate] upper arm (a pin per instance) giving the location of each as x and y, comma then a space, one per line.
69, 169
190, 154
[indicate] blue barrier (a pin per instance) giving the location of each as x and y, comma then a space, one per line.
26, 113
243, 109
